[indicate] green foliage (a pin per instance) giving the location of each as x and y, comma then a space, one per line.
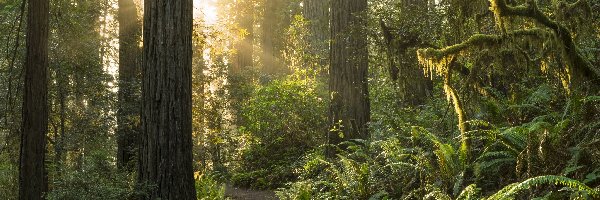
470, 192
9, 175
96, 178
208, 188
511, 190
348, 177
531, 121
281, 121
418, 163
301, 190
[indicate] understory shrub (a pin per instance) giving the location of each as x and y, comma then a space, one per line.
282, 121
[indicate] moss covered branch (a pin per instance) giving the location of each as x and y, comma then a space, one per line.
532, 11
477, 41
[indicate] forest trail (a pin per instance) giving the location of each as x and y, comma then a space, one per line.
247, 194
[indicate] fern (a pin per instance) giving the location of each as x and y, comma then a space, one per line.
436, 194
500, 194
536, 126
494, 164
497, 154
514, 139
511, 190
418, 131
591, 99
470, 192
495, 160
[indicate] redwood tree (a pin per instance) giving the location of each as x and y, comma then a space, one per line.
165, 159
349, 108
272, 27
129, 70
33, 181
316, 12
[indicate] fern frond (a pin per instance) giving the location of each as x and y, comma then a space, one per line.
448, 161
470, 192
510, 191
497, 154
514, 138
591, 99
405, 165
496, 163
436, 194
489, 135
537, 126
417, 131
500, 194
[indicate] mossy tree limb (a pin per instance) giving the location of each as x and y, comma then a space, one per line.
460, 114
476, 41
440, 62
532, 11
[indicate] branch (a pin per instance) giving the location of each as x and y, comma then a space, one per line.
531, 10
477, 40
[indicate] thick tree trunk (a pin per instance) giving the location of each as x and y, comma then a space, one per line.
165, 159
349, 109
33, 181
317, 14
245, 46
129, 69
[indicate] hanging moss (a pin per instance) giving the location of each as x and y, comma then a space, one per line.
435, 61
570, 50
552, 40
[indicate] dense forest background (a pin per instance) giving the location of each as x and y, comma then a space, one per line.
311, 99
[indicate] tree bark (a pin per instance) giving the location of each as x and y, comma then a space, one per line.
129, 69
349, 109
165, 159
317, 14
33, 182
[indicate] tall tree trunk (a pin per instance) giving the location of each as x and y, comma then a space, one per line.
269, 27
165, 158
412, 85
33, 182
349, 109
317, 14
129, 69
245, 46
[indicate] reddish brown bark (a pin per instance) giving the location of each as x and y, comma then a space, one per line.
33, 182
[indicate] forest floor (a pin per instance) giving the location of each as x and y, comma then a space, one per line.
247, 194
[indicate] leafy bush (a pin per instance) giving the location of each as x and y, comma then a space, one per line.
96, 179
282, 121
208, 188
9, 176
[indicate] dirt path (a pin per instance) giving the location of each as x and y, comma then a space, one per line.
246, 194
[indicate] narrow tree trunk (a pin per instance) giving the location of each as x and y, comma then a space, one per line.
269, 27
165, 159
413, 87
349, 109
245, 46
59, 146
317, 14
33, 182
129, 68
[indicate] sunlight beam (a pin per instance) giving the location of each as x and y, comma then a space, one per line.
206, 9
